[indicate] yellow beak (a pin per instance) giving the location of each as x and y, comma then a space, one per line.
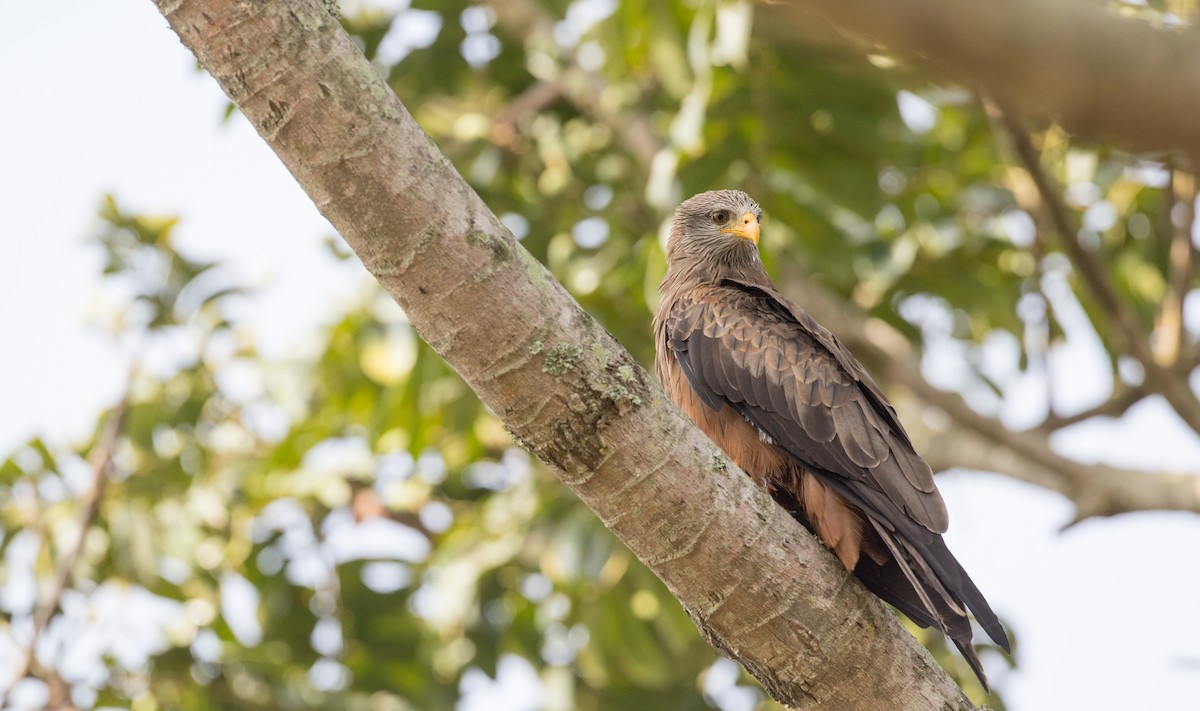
746, 228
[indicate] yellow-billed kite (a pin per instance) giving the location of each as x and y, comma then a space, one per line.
795, 410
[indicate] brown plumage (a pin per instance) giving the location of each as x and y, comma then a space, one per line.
795, 410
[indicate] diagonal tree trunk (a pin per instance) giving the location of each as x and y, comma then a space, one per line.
760, 588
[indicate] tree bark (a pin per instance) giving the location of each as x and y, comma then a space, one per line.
1099, 74
761, 589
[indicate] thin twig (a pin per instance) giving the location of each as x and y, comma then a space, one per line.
58, 696
1084, 261
365, 505
99, 461
1168, 342
1021, 186
586, 90
535, 98
1189, 360
1165, 381
1123, 398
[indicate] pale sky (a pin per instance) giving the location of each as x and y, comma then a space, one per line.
101, 97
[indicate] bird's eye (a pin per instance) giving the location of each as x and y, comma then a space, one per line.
720, 217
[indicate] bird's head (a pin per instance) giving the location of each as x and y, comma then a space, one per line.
718, 225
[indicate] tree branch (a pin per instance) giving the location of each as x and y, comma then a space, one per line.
1169, 383
759, 587
586, 90
1123, 397
1095, 489
1084, 261
1189, 359
528, 103
1181, 256
99, 461
1056, 57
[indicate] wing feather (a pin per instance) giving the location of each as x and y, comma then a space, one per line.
852, 429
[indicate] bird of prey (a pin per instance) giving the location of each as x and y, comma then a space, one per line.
795, 410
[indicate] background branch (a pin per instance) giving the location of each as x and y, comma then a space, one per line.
98, 461
1181, 258
1123, 397
1055, 57
1168, 382
588, 91
1095, 489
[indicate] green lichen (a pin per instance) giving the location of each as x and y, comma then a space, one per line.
308, 23
535, 347
372, 82
719, 463
600, 353
501, 252
621, 395
533, 269
562, 358
625, 374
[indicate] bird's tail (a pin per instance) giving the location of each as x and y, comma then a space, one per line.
933, 590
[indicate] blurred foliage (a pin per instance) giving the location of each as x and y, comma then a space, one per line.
357, 531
